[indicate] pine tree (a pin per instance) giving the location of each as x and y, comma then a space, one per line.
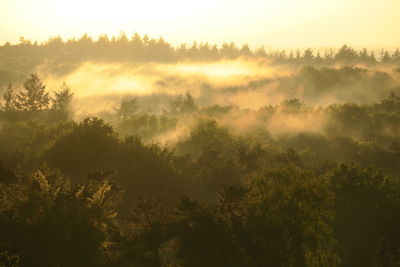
33, 97
62, 98
9, 99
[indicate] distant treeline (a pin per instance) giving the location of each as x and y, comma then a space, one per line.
18, 60
144, 48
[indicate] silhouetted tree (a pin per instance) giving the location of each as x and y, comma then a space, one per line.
183, 104
62, 98
33, 97
346, 54
9, 99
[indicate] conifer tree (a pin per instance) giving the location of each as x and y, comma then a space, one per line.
34, 96
9, 99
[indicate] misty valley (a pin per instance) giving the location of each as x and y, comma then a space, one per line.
134, 152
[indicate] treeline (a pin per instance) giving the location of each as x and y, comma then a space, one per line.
143, 48
365, 133
61, 57
33, 100
84, 194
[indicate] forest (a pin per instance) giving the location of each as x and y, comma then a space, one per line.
129, 151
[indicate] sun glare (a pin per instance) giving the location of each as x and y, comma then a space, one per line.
284, 23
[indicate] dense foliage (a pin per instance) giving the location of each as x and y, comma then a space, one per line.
107, 192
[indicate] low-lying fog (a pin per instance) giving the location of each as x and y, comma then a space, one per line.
248, 84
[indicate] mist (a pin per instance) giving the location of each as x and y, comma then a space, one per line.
133, 152
231, 79
248, 87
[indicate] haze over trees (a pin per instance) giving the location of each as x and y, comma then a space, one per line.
177, 179
19, 60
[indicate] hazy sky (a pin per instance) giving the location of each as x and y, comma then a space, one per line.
284, 23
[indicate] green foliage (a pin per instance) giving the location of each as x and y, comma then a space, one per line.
74, 226
91, 145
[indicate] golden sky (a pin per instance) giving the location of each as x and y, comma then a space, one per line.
277, 23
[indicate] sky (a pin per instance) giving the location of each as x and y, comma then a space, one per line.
274, 23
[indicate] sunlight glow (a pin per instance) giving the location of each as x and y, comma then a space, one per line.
284, 23
219, 69
149, 78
